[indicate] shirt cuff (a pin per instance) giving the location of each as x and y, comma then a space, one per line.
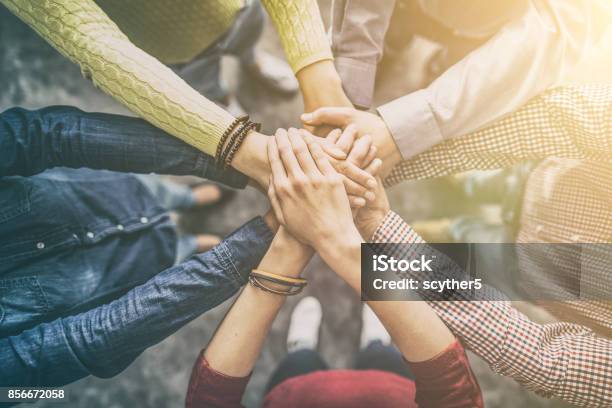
358, 79
412, 124
393, 229
209, 387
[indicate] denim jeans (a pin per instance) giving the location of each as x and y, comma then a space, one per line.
204, 72
376, 356
86, 275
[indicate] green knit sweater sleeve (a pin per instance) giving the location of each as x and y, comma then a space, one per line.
301, 31
81, 31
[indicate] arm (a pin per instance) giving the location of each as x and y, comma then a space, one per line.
228, 361
62, 136
527, 56
560, 360
307, 48
106, 339
310, 201
81, 31
358, 36
569, 122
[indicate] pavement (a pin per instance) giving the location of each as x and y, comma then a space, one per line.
34, 75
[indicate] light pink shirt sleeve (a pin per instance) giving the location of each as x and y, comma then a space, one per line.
527, 56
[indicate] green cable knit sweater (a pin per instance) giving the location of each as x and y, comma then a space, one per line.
119, 45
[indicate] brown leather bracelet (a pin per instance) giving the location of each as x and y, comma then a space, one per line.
279, 279
257, 284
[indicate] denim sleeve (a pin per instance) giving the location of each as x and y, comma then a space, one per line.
105, 340
63, 136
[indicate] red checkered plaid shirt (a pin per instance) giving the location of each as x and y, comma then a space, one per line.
573, 122
561, 360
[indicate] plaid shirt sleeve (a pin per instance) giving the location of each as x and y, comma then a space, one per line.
560, 360
568, 122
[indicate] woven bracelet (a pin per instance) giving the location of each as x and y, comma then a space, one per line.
257, 284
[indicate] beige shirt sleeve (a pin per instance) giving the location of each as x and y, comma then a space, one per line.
81, 31
527, 56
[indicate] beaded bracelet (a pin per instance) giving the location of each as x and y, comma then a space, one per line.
232, 140
242, 134
230, 129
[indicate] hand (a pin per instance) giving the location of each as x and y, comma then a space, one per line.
358, 166
368, 218
321, 86
252, 160
307, 193
366, 123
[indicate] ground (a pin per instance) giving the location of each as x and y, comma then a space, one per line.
33, 75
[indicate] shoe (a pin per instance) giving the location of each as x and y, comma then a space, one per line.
304, 327
273, 72
372, 329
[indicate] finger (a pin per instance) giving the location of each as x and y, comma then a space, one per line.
276, 165
319, 156
334, 116
302, 153
333, 136
346, 140
357, 175
330, 148
356, 201
275, 203
360, 150
374, 167
290, 162
370, 157
355, 189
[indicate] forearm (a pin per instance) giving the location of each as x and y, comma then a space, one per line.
321, 86
62, 136
533, 132
237, 343
83, 32
104, 340
538, 49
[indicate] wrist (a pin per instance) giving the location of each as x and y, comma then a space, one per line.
321, 86
252, 158
286, 255
386, 148
333, 248
368, 227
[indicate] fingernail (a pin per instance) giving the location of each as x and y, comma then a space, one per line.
371, 183
307, 117
340, 153
370, 196
360, 202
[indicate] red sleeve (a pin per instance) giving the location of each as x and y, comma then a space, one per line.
446, 380
211, 389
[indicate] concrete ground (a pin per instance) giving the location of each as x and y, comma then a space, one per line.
33, 75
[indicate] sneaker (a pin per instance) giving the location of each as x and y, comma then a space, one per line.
273, 72
372, 329
304, 326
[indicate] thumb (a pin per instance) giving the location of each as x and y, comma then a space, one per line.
333, 116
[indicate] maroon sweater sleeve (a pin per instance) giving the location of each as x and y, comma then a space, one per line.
211, 389
446, 380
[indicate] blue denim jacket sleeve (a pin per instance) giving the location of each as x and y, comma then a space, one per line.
105, 340
63, 136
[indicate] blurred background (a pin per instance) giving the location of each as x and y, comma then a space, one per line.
33, 75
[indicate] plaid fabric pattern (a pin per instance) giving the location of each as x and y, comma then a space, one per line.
561, 360
571, 122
